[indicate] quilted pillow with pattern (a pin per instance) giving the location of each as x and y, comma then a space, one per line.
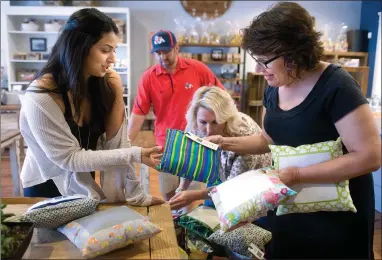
241, 238
248, 197
108, 230
313, 197
52, 213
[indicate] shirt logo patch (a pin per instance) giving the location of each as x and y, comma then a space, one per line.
158, 40
188, 85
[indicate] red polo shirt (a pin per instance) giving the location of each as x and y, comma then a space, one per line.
170, 95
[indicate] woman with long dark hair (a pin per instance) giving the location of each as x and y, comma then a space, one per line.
73, 119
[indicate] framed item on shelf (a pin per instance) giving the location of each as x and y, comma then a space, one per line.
217, 54
45, 56
37, 44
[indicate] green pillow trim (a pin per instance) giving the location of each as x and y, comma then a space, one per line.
343, 202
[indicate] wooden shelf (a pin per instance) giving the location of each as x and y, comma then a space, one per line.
29, 61
19, 82
230, 80
32, 32
209, 45
356, 69
10, 107
334, 56
346, 54
221, 62
235, 96
255, 103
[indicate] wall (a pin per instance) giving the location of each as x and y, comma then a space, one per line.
150, 16
369, 22
147, 16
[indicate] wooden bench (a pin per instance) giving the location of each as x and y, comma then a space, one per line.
51, 244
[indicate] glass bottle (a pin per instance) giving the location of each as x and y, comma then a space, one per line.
341, 42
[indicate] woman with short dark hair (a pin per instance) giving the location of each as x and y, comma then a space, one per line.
309, 101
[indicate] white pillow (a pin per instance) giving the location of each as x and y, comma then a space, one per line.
108, 230
312, 197
248, 196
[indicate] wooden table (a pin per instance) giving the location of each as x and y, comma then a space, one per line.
12, 139
50, 244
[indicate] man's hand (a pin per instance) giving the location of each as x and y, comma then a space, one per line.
151, 156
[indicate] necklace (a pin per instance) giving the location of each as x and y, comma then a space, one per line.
79, 135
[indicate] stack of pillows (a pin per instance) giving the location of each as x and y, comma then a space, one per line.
249, 196
93, 232
238, 201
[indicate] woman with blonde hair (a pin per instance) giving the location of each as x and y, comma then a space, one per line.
212, 111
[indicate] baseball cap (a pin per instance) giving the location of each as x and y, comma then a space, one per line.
163, 41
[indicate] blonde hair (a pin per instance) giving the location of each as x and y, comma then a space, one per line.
218, 101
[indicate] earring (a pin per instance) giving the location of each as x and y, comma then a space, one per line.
289, 66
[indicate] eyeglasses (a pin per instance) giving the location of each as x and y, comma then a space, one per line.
264, 64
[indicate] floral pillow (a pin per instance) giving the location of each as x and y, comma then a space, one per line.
240, 239
313, 197
248, 197
108, 230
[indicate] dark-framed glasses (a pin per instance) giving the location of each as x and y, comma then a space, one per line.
264, 64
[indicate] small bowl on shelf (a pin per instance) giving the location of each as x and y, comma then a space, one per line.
54, 26
29, 25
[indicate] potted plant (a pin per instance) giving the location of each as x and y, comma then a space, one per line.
15, 236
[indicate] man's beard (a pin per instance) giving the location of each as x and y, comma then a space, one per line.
166, 65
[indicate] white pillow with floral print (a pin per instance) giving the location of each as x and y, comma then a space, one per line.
312, 197
108, 230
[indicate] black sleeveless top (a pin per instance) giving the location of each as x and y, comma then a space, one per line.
87, 134
321, 235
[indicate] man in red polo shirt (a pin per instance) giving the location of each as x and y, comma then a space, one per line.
168, 87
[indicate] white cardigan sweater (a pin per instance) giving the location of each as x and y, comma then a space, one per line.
54, 153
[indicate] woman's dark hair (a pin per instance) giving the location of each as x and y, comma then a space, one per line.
83, 29
285, 29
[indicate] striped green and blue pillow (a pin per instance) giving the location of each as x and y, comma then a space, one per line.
186, 158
